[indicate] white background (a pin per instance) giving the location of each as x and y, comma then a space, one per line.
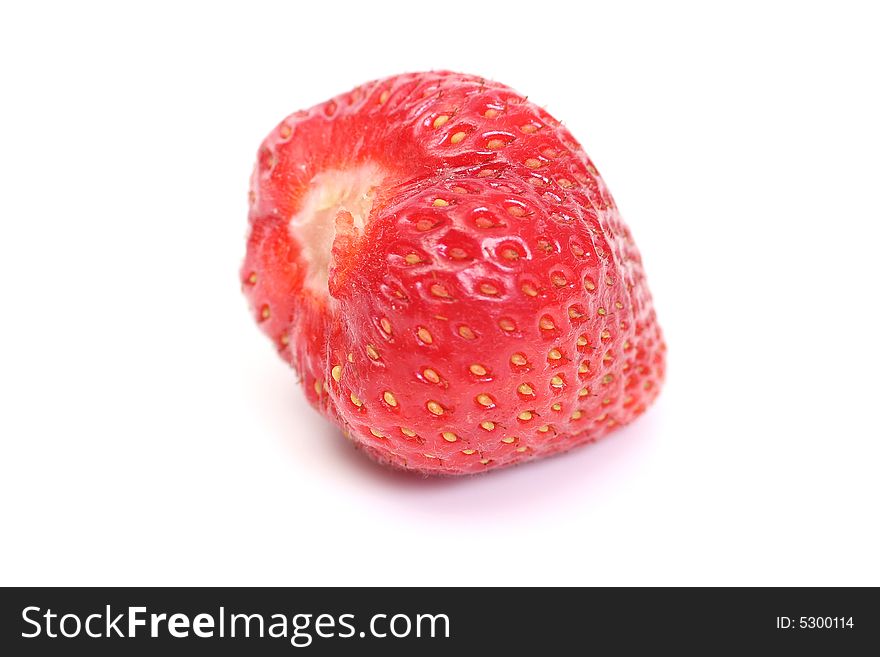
151, 436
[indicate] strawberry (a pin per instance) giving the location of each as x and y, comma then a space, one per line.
441, 262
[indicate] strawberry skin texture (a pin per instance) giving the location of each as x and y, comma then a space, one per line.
485, 306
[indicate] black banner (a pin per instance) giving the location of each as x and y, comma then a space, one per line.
334, 621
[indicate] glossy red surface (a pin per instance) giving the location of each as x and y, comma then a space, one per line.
492, 310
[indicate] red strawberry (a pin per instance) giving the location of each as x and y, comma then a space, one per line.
441, 262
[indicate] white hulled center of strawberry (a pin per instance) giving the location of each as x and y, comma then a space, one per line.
332, 193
